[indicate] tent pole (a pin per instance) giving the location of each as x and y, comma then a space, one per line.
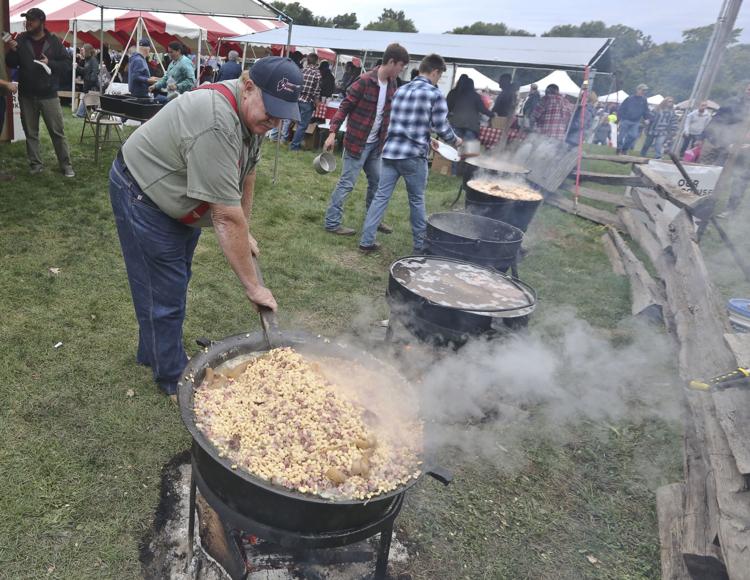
139, 28
101, 49
278, 133
582, 130
244, 55
198, 58
73, 73
124, 52
153, 44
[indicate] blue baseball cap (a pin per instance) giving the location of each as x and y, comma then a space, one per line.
280, 82
144, 42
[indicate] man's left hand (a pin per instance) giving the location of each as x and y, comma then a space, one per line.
458, 142
44, 59
253, 245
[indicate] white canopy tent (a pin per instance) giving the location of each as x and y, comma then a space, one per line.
617, 97
655, 100
510, 51
557, 77
481, 82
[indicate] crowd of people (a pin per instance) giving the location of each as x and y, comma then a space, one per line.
208, 144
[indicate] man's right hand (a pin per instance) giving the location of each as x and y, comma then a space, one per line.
261, 296
12, 44
330, 142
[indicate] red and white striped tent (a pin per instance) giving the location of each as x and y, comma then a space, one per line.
163, 27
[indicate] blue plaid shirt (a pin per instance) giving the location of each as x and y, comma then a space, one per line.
418, 109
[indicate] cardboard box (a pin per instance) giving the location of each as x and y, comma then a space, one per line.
498, 122
441, 165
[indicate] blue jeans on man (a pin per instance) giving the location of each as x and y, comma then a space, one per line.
414, 172
158, 252
305, 113
657, 141
369, 160
627, 134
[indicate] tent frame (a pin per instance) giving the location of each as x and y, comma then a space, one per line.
141, 26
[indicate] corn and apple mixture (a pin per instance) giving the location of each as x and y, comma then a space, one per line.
283, 419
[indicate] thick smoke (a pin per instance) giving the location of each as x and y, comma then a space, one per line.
488, 397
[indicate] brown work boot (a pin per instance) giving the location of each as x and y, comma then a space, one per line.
385, 229
342, 231
370, 249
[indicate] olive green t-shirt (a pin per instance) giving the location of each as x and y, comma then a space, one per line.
195, 149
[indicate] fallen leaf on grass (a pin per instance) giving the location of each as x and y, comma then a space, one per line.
51, 569
54, 271
130, 393
591, 559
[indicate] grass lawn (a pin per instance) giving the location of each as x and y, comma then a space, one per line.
85, 433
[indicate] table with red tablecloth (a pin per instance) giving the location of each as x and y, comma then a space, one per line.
489, 136
326, 110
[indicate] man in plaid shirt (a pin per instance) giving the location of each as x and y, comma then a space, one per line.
552, 114
308, 99
418, 109
368, 108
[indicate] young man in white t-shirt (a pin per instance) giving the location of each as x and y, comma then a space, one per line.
368, 107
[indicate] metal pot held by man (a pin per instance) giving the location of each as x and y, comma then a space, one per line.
192, 166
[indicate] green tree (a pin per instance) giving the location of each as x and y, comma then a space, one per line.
304, 16
490, 29
392, 21
296, 12
348, 20
628, 42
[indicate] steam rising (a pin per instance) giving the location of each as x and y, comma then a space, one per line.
488, 397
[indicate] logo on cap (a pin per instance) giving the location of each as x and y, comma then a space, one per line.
285, 85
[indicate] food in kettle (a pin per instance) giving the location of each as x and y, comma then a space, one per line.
506, 189
296, 423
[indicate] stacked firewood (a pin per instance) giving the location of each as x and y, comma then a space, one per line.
704, 521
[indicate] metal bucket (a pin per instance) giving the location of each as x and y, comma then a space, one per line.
324, 163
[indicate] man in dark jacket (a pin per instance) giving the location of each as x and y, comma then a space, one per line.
138, 71
40, 57
368, 108
629, 116
231, 69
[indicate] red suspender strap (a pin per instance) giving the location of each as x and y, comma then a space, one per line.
228, 94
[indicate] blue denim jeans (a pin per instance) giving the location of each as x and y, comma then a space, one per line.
272, 134
657, 141
414, 172
369, 160
627, 134
158, 252
305, 112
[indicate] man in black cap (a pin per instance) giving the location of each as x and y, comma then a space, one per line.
138, 71
40, 58
193, 165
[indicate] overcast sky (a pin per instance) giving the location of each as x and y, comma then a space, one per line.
662, 19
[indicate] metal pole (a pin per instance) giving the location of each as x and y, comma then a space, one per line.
124, 52
582, 125
244, 54
73, 73
153, 44
101, 49
711, 61
198, 58
278, 134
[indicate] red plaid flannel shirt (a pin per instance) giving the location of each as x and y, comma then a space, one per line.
552, 115
310, 85
361, 104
